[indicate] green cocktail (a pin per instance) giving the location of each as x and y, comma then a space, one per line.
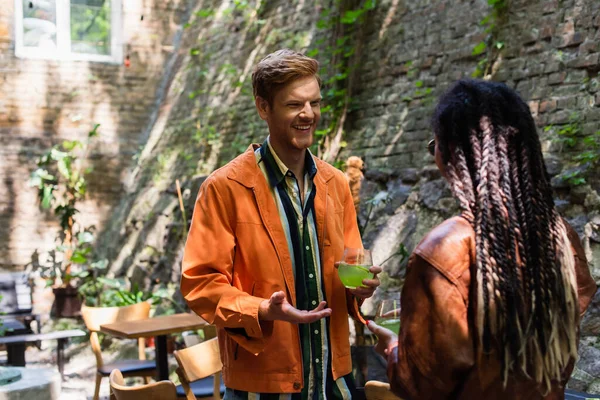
352, 275
393, 324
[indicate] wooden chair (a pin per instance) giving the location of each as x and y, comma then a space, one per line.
376, 390
163, 390
96, 316
196, 365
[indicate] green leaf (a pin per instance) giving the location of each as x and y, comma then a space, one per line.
64, 167
85, 237
313, 53
369, 5
419, 84
479, 49
78, 258
94, 131
351, 16
70, 145
57, 155
47, 196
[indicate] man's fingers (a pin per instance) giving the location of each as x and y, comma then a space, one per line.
277, 297
304, 317
320, 307
373, 283
375, 269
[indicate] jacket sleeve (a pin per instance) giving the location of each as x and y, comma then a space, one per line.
207, 273
586, 286
351, 239
435, 348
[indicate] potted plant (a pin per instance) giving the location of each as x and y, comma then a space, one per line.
60, 178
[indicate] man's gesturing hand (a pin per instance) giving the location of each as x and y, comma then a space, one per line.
278, 308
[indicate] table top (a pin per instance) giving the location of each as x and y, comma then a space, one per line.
157, 326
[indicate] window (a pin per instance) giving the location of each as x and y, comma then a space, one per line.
69, 29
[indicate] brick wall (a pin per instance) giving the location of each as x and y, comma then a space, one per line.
43, 102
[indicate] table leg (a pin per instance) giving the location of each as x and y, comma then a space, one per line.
60, 357
162, 363
16, 354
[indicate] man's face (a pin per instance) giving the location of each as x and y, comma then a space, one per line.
294, 114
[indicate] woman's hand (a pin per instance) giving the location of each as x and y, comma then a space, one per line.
386, 338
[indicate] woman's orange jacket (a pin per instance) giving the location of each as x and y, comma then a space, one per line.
236, 256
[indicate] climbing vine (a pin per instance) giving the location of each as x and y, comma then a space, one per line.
581, 152
489, 49
339, 28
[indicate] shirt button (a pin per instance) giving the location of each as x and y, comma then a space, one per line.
316, 331
307, 247
311, 276
296, 385
314, 302
317, 360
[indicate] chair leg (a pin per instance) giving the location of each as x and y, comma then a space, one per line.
97, 389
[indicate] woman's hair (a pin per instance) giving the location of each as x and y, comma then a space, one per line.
526, 305
280, 68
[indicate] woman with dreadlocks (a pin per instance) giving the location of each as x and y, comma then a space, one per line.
492, 299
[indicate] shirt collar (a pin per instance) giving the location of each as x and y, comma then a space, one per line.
277, 170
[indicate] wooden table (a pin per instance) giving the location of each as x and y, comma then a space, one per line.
159, 328
15, 346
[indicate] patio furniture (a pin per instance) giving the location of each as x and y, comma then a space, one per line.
376, 390
15, 346
94, 317
159, 328
16, 302
196, 365
163, 390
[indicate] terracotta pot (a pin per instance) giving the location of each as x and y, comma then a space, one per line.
67, 303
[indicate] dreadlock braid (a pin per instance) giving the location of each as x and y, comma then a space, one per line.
526, 300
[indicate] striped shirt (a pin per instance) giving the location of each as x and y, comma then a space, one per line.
300, 227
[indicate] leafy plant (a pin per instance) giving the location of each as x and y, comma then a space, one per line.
338, 63
61, 182
489, 49
569, 136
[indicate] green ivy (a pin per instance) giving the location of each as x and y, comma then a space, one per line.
489, 49
581, 150
338, 24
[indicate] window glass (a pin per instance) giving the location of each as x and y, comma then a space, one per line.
90, 26
39, 24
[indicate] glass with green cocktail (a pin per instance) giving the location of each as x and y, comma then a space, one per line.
388, 315
354, 267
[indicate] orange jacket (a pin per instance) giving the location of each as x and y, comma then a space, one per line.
236, 255
436, 357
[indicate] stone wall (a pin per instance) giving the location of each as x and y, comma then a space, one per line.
407, 54
43, 102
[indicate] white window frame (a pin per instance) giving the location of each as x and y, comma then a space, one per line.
63, 36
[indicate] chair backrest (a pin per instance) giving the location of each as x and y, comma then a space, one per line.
93, 317
163, 390
376, 390
16, 293
197, 362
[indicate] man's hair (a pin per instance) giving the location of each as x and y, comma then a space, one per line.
280, 68
525, 298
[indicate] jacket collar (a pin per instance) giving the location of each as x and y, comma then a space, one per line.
246, 172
